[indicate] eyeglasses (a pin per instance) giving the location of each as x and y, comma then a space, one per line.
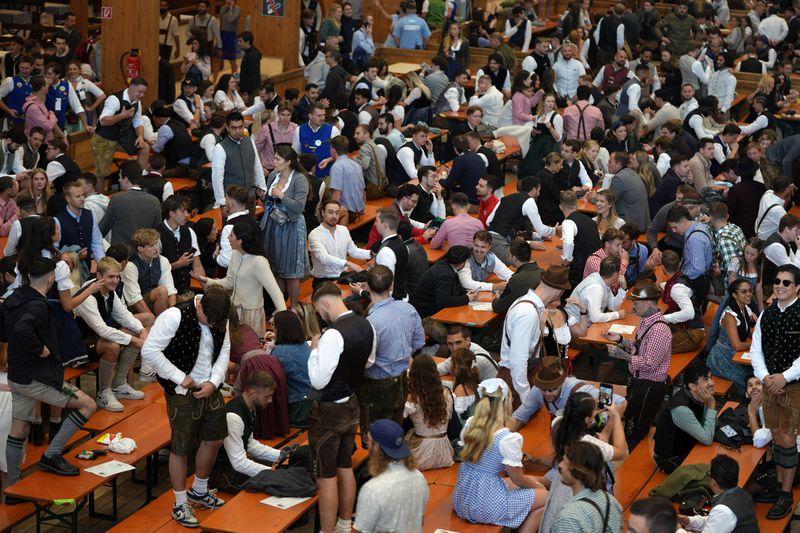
784, 282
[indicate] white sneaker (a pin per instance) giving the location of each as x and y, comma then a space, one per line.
107, 401
126, 392
146, 373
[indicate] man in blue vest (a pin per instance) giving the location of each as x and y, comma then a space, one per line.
314, 137
78, 227
61, 97
14, 90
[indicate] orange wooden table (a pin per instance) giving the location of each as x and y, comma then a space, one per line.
467, 315
585, 206
739, 358
182, 184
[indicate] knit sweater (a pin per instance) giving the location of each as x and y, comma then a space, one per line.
246, 275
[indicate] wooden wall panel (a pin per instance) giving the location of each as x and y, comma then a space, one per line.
275, 36
81, 10
134, 24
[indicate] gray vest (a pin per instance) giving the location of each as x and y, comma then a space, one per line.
6, 160
592, 279
686, 61
240, 159
441, 102
481, 272
437, 83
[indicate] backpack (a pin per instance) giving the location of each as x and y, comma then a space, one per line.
733, 427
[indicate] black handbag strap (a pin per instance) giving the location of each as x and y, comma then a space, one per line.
608, 509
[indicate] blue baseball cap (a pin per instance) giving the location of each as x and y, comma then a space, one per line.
389, 435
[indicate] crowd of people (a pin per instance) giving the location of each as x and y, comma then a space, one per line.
656, 148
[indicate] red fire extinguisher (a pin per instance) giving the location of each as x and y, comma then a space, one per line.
132, 63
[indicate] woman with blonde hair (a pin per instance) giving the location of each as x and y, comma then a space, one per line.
607, 217
332, 25
455, 48
429, 406
641, 163
481, 494
418, 99
589, 156
39, 189
308, 316
548, 131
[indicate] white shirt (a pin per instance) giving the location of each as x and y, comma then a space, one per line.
296, 137
455, 97
512, 29
774, 28
529, 63
696, 122
757, 356
769, 225
218, 157
722, 84
667, 112
530, 210
776, 253
329, 251
395, 500
491, 103
162, 333
664, 163
487, 369
224, 257
207, 144
681, 295
181, 109
593, 294
405, 155
738, 66
331, 346
465, 276
130, 277
687, 107
521, 332
238, 453
567, 74
226, 103
759, 123
112, 105
177, 234
557, 120
18, 160
54, 171
386, 256
506, 84
90, 313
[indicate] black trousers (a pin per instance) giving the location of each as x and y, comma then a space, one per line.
644, 398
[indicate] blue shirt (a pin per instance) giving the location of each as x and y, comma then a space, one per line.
698, 251
294, 358
98, 252
410, 31
400, 334
348, 178
637, 258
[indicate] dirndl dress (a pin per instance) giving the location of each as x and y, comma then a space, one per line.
481, 496
229, 44
285, 245
541, 145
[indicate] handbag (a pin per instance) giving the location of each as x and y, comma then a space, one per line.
278, 216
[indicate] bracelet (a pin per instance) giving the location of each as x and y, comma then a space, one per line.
584, 313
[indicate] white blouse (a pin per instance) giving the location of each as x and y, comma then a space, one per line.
558, 123
228, 104
510, 446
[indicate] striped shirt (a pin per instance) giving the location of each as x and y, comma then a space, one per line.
580, 516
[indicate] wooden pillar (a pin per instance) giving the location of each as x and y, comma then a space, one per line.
132, 25
274, 36
382, 25
81, 10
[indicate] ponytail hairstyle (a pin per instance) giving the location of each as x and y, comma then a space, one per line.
466, 375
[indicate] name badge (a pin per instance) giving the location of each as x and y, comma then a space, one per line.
318, 142
58, 104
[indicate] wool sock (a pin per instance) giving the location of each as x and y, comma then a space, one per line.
126, 359
200, 485
180, 497
14, 452
106, 373
74, 421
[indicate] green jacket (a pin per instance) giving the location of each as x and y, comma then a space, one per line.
686, 480
679, 30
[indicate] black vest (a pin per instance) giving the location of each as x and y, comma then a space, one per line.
180, 146
309, 51
780, 336
189, 104
394, 171
104, 307
112, 133
697, 301
587, 242
74, 232
508, 218
153, 184
72, 172
185, 344
741, 503
518, 39
670, 440
752, 65
30, 158
24, 227
568, 177
148, 274
686, 127
608, 33
173, 249
499, 79
239, 408
358, 338
401, 253
770, 268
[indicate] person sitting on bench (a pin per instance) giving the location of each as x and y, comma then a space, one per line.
241, 456
551, 388
688, 418
732, 508
459, 337
119, 336
148, 275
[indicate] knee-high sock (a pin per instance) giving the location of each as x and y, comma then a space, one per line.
74, 421
126, 359
106, 373
14, 451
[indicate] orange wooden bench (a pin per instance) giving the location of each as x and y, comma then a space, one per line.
636, 471
102, 419
34, 453
11, 515
442, 517
76, 373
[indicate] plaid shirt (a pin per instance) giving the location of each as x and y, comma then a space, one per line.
730, 243
651, 360
593, 263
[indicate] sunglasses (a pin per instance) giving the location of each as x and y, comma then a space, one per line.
784, 282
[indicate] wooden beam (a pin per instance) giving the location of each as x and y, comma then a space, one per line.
81, 10
275, 36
